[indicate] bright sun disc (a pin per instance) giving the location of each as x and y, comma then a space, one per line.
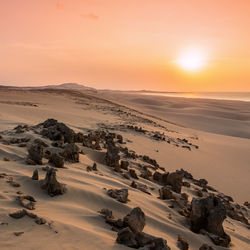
191, 60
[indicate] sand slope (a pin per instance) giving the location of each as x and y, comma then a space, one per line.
75, 223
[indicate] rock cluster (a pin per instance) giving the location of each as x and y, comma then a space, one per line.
120, 195
130, 230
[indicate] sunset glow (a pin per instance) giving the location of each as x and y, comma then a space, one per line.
127, 44
191, 60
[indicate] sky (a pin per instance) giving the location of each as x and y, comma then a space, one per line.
127, 44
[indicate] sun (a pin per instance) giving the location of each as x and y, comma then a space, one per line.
191, 60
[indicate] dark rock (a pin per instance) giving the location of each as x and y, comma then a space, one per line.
183, 243
135, 220
112, 156
165, 193
36, 153
27, 201
127, 237
157, 176
175, 180
133, 173
57, 160
71, 152
18, 233
205, 247
94, 167
40, 221
41, 142
56, 131
51, 185
35, 175
209, 214
120, 195
18, 214
124, 164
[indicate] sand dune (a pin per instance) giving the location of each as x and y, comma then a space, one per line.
73, 221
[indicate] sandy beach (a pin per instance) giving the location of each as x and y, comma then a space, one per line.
208, 138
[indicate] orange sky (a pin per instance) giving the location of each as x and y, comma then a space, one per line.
125, 44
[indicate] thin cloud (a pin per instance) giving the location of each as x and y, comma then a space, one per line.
90, 16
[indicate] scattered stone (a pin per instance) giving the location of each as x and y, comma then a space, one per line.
35, 175
140, 187
40, 221
120, 195
183, 243
27, 201
18, 233
18, 214
51, 185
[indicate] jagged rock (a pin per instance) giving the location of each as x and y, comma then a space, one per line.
165, 193
127, 237
51, 185
71, 152
124, 165
135, 220
57, 160
57, 131
205, 247
183, 243
119, 139
112, 156
209, 214
120, 195
140, 187
18, 214
35, 175
175, 180
41, 142
40, 221
133, 173
36, 153
157, 176
185, 173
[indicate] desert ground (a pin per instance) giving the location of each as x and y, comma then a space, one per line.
151, 136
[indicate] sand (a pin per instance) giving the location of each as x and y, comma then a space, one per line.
221, 129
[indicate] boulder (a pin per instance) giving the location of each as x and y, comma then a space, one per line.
51, 185
36, 153
175, 180
135, 220
124, 164
71, 152
112, 156
183, 243
57, 160
35, 175
127, 237
209, 214
133, 173
165, 193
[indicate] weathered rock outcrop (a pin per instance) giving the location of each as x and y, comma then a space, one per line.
35, 175
175, 180
36, 153
209, 214
71, 152
112, 156
166, 193
51, 185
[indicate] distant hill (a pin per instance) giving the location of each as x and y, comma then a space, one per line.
74, 86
